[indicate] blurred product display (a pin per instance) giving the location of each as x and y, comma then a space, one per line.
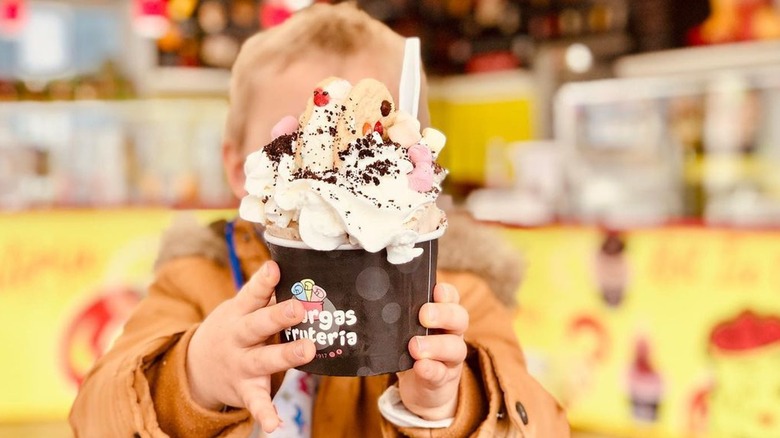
111, 154
660, 149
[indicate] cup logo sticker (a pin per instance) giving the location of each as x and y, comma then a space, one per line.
311, 295
322, 323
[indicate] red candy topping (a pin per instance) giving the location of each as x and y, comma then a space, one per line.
321, 97
379, 128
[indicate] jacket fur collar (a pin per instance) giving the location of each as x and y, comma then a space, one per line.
466, 246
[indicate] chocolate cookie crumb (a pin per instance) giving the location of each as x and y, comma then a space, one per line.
279, 147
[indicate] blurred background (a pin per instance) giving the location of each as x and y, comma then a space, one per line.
629, 149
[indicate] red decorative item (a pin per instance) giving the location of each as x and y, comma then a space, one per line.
13, 14
273, 13
92, 328
150, 17
746, 332
276, 12
152, 7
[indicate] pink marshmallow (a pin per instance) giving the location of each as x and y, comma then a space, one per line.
287, 125
421, 178
420, 154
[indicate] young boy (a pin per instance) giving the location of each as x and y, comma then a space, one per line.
200, 358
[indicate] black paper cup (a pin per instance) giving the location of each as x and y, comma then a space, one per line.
362, 310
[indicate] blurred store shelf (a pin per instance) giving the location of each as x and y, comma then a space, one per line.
175, 81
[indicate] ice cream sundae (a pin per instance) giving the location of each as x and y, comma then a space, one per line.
352, 170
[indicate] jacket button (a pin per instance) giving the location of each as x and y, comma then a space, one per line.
521, 412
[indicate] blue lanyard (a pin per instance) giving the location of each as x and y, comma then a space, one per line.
235, 265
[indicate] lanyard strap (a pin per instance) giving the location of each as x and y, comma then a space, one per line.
235, 265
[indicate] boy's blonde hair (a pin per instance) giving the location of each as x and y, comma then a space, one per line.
340, 30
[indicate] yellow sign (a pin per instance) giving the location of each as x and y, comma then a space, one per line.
68, 280
667, 332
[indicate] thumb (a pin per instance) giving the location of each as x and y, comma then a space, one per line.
258, 291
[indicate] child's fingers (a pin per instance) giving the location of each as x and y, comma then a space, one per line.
257, 292
449, 349
269, 359
433, 374
261, 324
446, 293
258, 403
449, 317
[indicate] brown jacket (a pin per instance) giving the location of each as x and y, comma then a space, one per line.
139, 388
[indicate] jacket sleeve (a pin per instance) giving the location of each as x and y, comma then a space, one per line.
139, 387
497, 396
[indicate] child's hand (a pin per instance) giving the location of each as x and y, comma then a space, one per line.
430, 388
228, 360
